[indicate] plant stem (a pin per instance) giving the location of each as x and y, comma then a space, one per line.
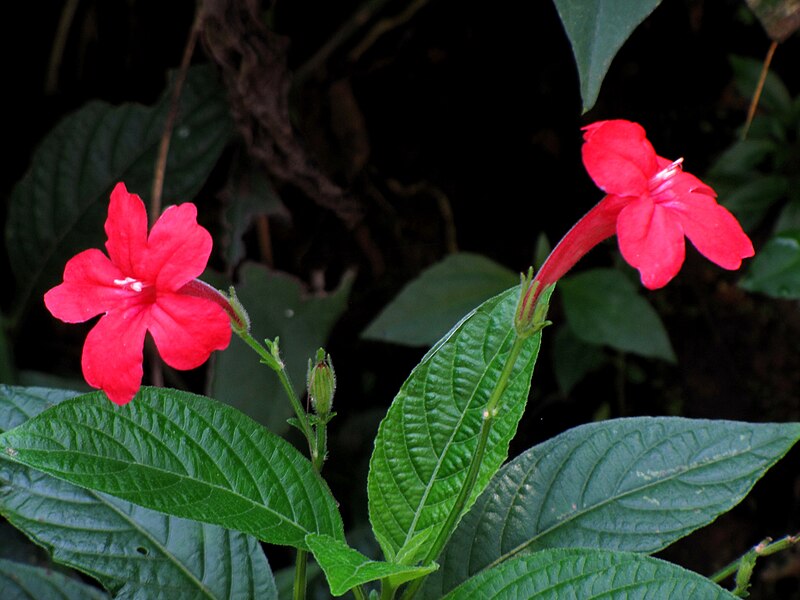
765, 548
268, 359
300, 575
321, 446
490, 412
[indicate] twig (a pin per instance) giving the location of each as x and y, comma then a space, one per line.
59, 42
360, 17
751, 112
172, 115
383, 26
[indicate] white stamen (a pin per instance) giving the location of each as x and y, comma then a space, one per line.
134, 284
665, 174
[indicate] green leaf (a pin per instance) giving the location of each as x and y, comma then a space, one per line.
588, 573
425, 442
603, 307
751, 201
635, 484
278, 307
573, 359
596, 30
741, 158
428, 306
59, 207
24, 582
132, 551
775, 271
774, 97
345, 568
249, 195
183, 455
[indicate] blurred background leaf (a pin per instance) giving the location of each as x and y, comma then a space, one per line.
427, 307
60, 205
604, 307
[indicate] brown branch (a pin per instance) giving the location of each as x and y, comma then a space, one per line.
59, 42
172, 116
751, 112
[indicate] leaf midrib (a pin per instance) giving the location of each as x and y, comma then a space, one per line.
580, 513
181, 478
421, 505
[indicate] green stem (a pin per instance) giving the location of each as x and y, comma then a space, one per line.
765, 548
321, 446
300, 575
490, 412
359, 593
299, 589
268, 359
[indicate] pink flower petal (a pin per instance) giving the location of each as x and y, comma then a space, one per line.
112, 354
126, 228
188, 329
713, 230
618, 157
88, 289
651, 240
178, 248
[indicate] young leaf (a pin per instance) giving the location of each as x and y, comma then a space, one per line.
425, 442
596, 30
183, 455
59, 207
627, 484
428, 306
132, 551
587, 573
278, 307
602, 306
24, 582
346, 568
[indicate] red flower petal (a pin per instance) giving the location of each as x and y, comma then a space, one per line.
188, 329
88, 288
651, 240
178, 248
126, 228
618, 157
713, 230
112, 354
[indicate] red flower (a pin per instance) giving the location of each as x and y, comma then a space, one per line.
147, 285
651, 205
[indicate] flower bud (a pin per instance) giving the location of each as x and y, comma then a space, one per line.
321, 384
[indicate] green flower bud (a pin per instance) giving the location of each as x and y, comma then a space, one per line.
321, 384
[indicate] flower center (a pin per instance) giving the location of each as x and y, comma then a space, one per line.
129, 283
660, 181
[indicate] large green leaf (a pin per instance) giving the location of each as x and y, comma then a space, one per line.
775, 271
132, 551
59, 206
345, 567
184, 455
425, 442
278, 307
597, 29
627, 484
577, 574
428, 306
603, 307
24, 582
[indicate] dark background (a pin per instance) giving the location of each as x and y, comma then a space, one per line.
466, 118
